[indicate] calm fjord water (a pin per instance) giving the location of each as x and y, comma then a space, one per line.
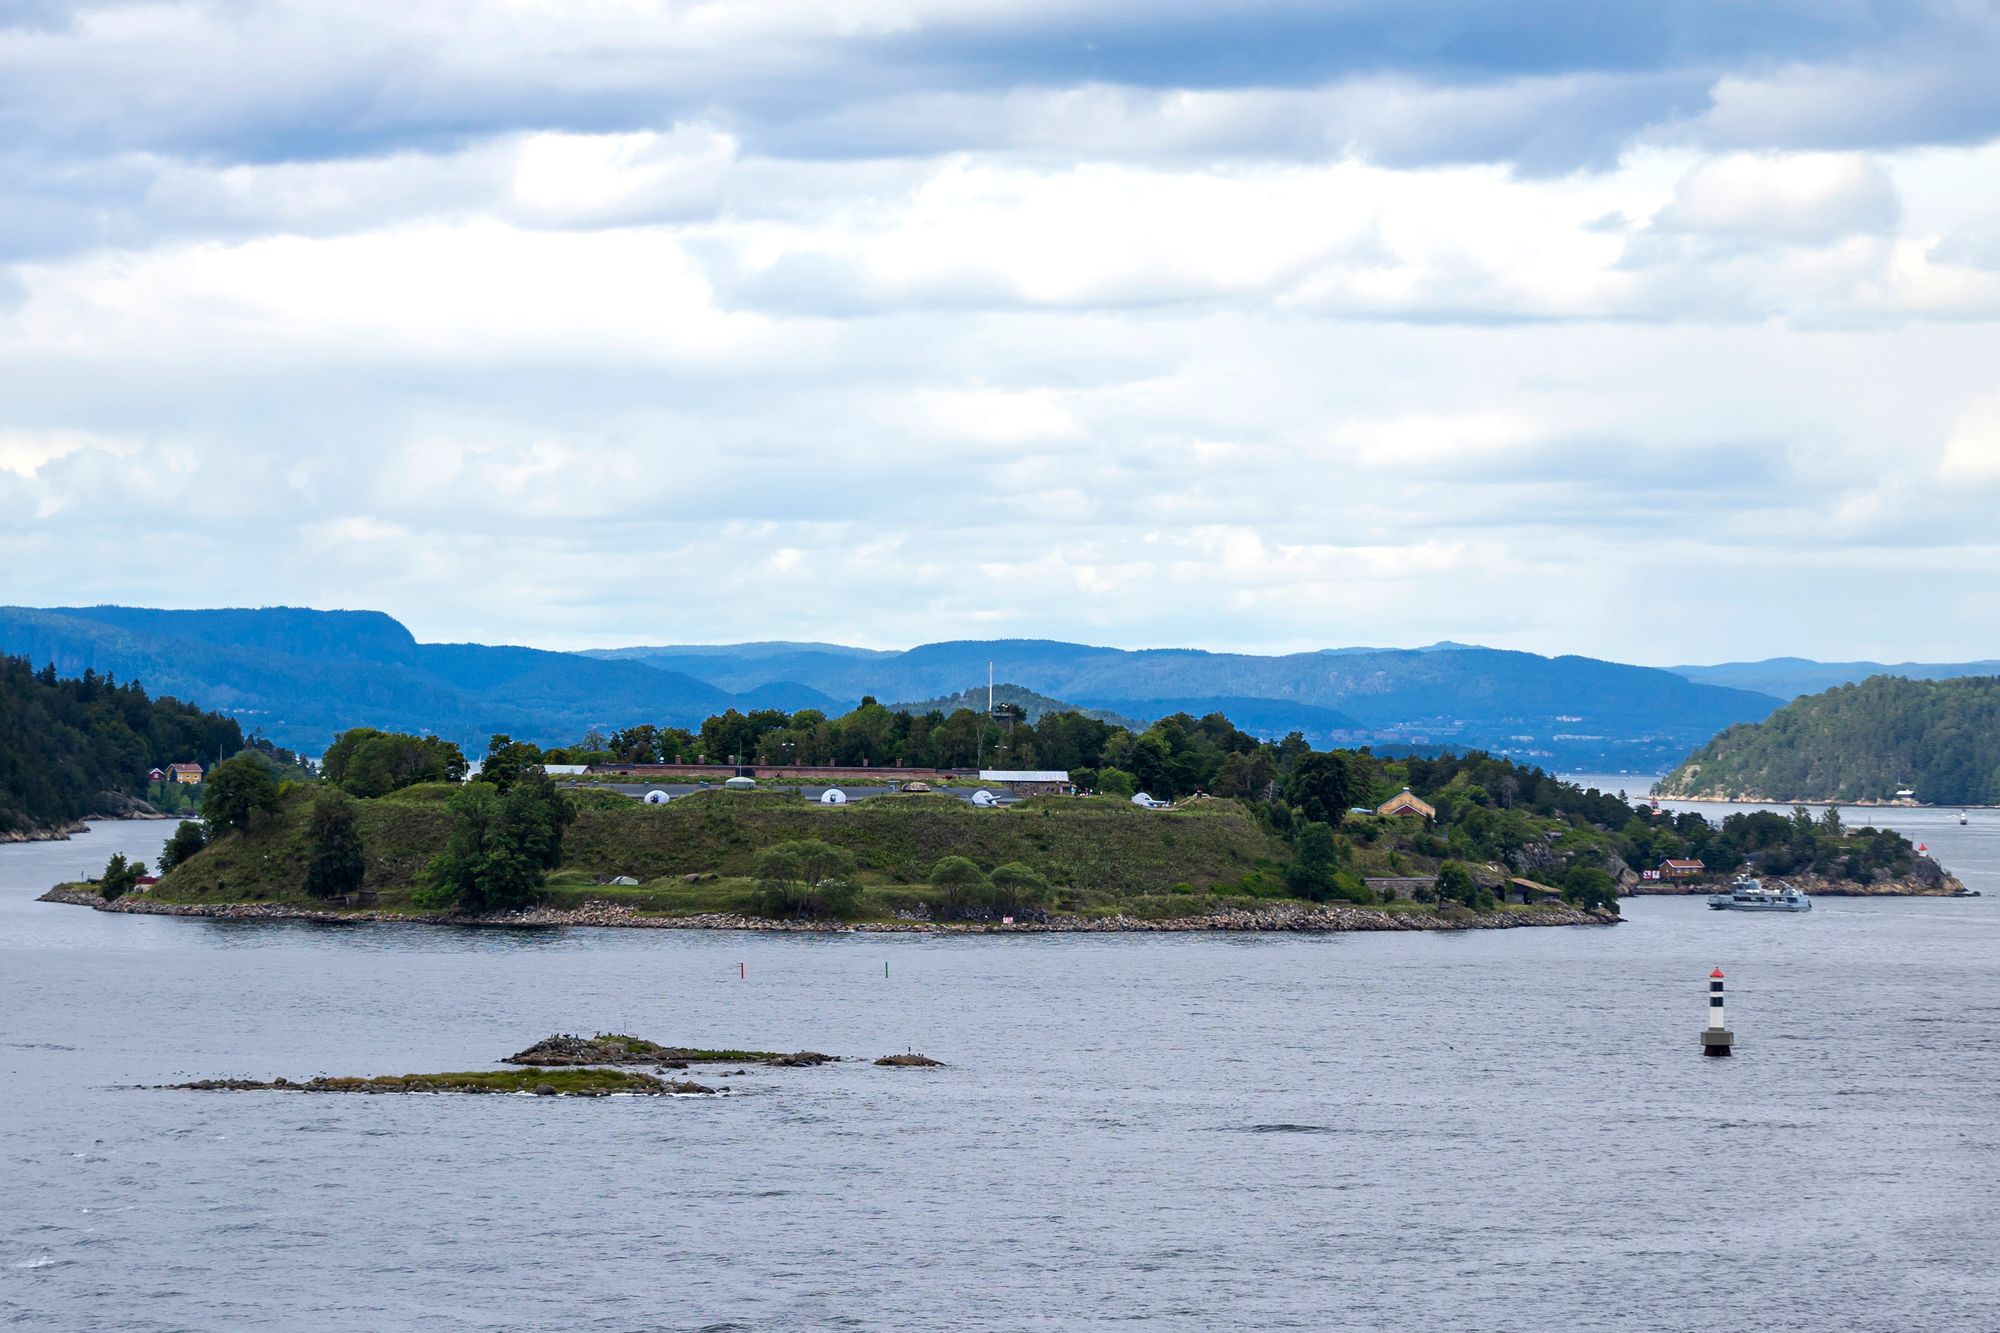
1505, 1130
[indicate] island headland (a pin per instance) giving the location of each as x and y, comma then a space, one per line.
1887, 740
1189, 825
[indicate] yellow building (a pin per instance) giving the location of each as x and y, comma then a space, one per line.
188, 773
1403, 803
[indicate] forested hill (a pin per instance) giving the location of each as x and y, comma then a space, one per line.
64, 744
1940, 738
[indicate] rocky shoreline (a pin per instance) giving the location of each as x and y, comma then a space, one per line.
1315, 920
118, 806
1945, 885
44, 832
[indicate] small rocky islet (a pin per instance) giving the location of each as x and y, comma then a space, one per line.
564, 1050
562, 1065
565, 1083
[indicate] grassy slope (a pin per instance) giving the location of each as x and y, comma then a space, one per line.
1098, 849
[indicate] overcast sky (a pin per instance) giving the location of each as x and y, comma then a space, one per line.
1664, 332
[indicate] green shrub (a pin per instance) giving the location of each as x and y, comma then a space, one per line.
1351, 887
1018, 887
1590, 887
120, 877
963, 886
807, 878
1455, 884
1315, 862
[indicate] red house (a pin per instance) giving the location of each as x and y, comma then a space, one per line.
1675, 869
156, 775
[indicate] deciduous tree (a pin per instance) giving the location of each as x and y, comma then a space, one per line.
335, 861
1322, 786
237, 792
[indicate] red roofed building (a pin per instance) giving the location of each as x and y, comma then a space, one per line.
190, 773
1676, 869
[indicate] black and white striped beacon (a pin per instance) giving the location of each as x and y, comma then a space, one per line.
1716, 1038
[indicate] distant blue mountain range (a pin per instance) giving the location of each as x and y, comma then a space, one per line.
1790, 677
301, 675
1569, 712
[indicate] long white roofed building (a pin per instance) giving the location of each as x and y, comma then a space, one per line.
1027, 781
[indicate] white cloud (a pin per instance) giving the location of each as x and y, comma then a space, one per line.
1783, 197
995, 416
1972, 451
448, 292
26, 452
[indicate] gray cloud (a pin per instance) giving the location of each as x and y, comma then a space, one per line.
1550, 85
1344, 323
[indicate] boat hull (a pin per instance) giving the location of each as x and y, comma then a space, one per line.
1761, 907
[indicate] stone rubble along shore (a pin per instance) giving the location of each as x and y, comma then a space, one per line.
1325, 918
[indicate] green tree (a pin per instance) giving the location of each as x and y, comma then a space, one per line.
1153, 765
236, 792
480, 869
507, 759
1322, 786
498, 847
1117, 782
188, 839
1590, 887
1018, 887
807, 878
1455, 884
1247, 775
1315, 861
537, 816
120, 877
335, 861
367, 762
962, 884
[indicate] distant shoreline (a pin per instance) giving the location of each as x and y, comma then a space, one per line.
64, 831
1822, 802
1324, 919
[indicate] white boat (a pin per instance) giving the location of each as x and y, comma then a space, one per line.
1750, 895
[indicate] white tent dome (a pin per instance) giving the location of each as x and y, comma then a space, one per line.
1142, 799
741, 784
833, 796
982, 797
657, 797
